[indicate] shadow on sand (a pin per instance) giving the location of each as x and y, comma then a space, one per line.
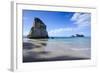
60, 58
27, 45
30, 55
33, 56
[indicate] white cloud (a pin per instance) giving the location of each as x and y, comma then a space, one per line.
75, 16
59, 31
81, 19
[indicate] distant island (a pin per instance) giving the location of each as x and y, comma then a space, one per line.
78, 35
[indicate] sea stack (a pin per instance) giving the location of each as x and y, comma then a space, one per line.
38, 29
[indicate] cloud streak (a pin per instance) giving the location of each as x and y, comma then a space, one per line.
81, 19
59, 30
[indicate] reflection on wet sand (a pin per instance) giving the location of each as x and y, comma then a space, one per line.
35, 50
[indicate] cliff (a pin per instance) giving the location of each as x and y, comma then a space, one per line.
38, 29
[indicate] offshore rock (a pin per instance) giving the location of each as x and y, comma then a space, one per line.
38, 29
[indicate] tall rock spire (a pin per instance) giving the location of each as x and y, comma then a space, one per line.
38, 29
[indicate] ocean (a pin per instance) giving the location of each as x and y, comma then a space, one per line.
77, 42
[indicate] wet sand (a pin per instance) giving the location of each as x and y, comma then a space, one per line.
37, 50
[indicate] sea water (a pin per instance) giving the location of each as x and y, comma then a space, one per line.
77, 42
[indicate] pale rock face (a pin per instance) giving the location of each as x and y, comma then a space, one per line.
38, 29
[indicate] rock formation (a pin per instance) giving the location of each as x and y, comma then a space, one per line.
78, 35
38, 29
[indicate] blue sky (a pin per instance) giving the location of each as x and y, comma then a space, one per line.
59, 24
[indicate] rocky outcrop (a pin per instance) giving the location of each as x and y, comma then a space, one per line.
38, 29
78, 35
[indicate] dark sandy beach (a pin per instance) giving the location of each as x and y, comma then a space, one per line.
37, 50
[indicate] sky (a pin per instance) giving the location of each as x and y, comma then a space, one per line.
59, 24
